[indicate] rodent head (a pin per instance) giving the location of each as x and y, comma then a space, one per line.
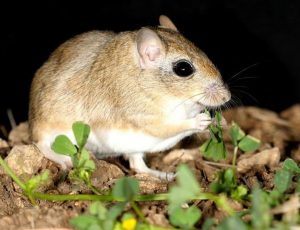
177, 68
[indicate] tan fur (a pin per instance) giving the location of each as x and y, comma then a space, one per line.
95, 77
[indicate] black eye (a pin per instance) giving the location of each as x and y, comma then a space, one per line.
183, 68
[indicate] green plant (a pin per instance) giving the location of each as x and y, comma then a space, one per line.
214, 148
188, 189
240, 140
83, 166
226, 182
102, 218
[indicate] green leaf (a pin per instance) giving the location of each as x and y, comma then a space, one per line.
125, 188
83, 222
215, 151
214, 148
98, 209
85, 162
218, 118
249, 144
81, 132
291, 165
232, 222
116, 210
282, 180
203, 147
34, 182
186, 179
261, 217
208, 224
297, 189
89, 165
63, 145
226, 182
239, 193
187, 188
236, 133
185, 218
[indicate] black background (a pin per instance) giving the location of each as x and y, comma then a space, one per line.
234, 34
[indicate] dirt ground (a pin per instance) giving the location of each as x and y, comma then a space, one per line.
279, 133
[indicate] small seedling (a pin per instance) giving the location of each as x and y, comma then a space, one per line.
284, 176
227, 183
240, 140
34, 183
83, 166
187, 189
102, 217
214, 148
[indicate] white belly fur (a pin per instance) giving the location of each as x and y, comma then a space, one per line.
105, 143
116, 142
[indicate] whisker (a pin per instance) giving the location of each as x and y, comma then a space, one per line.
243, 70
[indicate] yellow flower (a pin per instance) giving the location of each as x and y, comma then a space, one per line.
129, 224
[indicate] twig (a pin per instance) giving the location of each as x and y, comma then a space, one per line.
11, 118
218, 164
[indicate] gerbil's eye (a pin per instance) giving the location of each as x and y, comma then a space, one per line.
183, 68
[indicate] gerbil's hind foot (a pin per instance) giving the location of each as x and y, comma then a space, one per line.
137, 163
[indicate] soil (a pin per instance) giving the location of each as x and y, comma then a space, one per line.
279, 133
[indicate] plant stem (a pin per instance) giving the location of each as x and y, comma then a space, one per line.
92, 197
92, 187
138, 198
15, 178
234, 156
138, 212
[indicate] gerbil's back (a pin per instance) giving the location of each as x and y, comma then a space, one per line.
62, 77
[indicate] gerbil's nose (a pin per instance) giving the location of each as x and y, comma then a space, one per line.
217, 93
212, 88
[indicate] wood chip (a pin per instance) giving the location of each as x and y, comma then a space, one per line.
181, 155
268, 157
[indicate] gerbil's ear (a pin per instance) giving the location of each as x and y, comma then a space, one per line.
164, 21
150, 48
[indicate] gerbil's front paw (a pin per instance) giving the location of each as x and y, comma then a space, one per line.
202, 121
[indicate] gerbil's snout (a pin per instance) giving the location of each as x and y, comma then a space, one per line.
215, 94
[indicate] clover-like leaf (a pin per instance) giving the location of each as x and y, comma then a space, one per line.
249, 144
291, 165
185, 218
84, 222
85, 162
260, 210
63, 145
232, 222
215, 150
282, 180
125, 188
81, 132
186, 189
236, 133
186, 179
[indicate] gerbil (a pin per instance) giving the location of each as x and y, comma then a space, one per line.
140, 91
